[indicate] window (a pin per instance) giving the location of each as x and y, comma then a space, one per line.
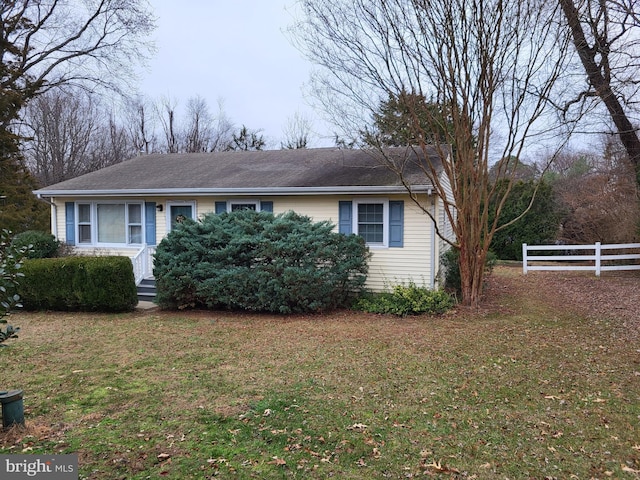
84, 223
134, 224
371, 222
109, 223
240, 204
236, 206
379, 221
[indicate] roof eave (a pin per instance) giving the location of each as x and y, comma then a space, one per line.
263, 191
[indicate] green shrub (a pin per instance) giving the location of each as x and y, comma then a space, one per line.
11, 260
406, 300
43, 244
451, 268
256, 261
97, 284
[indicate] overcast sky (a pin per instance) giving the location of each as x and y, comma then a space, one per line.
235, 51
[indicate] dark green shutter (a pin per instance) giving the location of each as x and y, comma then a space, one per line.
70, 222
221, 207
150, 223
396, 223
345, 217
266, 207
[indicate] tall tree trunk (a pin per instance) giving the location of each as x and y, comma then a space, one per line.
600, 83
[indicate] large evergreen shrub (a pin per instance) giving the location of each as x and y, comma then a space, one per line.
538, 226
97, 284
256, 261
40, 244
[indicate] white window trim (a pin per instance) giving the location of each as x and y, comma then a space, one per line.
93, 207
176, 203
385, 219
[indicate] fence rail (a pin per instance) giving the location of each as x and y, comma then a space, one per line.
597, 262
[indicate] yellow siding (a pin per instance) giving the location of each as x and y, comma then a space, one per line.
387, 267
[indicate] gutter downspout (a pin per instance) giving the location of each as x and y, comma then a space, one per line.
54, 217
433, 243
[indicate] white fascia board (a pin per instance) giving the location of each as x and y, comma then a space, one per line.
200, 192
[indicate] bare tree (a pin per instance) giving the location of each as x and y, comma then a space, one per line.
606, 36
297, 132
111, 145
490, 64
199, 130
223, 129
61, 127
67, 133
598, 195
141, 125
166, 111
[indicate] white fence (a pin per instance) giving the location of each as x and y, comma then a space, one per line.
596, 261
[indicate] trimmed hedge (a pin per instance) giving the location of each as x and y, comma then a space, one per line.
261, 262
90, 284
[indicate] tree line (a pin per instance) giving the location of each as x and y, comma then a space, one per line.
68, 132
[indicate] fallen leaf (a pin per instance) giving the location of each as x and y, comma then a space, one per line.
628, 469
358, 426
277, 461
163, 456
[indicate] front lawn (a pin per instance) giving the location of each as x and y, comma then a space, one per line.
525, 388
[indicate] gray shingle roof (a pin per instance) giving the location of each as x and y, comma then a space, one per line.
322, 169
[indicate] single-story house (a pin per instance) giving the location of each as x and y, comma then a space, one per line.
127, 208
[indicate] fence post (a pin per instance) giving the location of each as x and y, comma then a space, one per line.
598, 254
524, 258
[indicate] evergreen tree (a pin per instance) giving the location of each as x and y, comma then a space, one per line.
538, 226
409, 119
247, 140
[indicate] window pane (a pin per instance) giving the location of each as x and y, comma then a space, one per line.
372, 233
135, 213
84, 233
242, 206
370, 213
111, 226
84, 213
135, 234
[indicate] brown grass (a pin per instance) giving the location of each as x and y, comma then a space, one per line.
541, 382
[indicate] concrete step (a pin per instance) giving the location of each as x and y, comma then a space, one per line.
147, 290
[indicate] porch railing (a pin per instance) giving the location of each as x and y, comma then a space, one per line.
143, 263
